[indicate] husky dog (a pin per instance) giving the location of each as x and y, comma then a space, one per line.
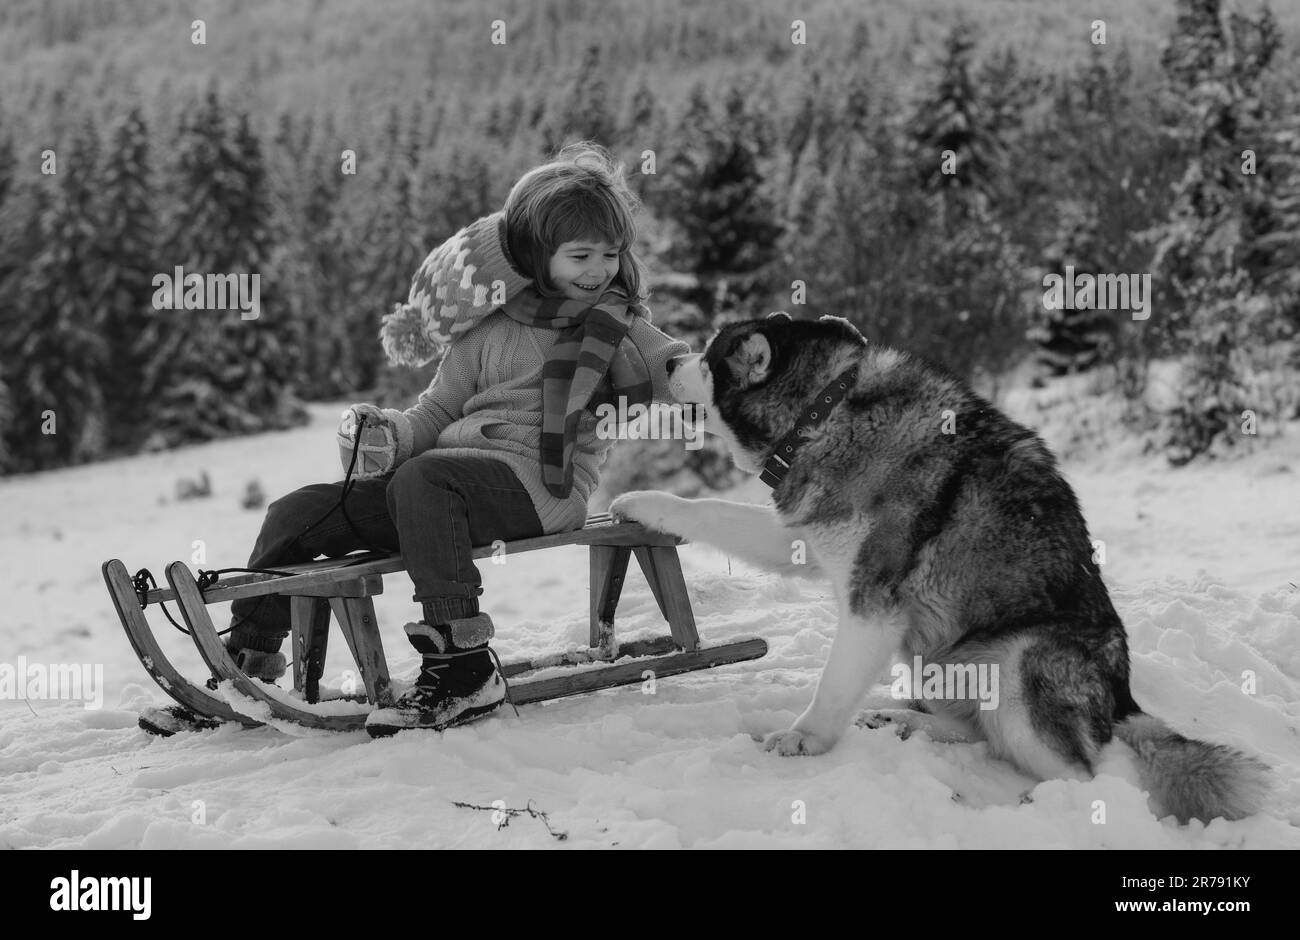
947, 533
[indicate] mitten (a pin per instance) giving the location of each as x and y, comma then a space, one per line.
385, 440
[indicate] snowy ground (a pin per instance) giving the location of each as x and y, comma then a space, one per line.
1203, 565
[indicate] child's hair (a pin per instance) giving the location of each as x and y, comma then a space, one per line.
581, 194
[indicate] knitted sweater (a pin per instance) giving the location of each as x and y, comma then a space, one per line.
486, 401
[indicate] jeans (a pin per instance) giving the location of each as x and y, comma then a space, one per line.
433, 508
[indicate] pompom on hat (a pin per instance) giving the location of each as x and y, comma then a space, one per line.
454, 289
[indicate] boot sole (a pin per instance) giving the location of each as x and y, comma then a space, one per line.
165, 722
468, 715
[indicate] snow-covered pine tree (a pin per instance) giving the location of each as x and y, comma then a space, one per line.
641, 129
955, 117
799, 130
178, 340
6, 422
586, 111
58, 352
6, 403
1072, 340
641, 125
20, 240
1273, 253
1206, 260
304, 191
126, 228
716, 192
212, 373
6, 161
390, 253
965, 307
17, 218
271, 360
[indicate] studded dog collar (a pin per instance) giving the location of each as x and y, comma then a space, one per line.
778, 465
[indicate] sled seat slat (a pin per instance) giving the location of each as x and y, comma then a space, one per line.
326, 572
342, 590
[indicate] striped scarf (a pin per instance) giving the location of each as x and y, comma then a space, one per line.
588, 366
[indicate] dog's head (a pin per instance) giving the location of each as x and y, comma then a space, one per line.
756, 376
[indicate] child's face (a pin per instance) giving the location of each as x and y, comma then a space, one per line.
583, 269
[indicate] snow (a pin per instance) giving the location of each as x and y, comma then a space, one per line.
1202, 564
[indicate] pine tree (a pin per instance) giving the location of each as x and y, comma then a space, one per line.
962, 306
642, 125
1072, 340
126, 223
271, 359
1273, 253
54, 343
6, 400
214, 373
6, 163
954, 117
390, 255
6, 427
304, 184
716, 191
1212, 254
20, 241
799, 133
587, 112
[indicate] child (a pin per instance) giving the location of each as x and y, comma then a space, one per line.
537, 311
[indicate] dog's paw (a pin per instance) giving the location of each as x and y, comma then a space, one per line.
877, 720
653, 510
795, 743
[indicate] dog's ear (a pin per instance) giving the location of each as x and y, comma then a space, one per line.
751, 360
844, 325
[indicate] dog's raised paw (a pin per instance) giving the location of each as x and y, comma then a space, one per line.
794, 743
651, 509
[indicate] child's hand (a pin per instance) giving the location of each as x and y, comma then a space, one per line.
378, 451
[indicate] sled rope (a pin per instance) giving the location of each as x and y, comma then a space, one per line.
504, 681
144, 580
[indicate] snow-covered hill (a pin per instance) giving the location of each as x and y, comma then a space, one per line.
1202, 561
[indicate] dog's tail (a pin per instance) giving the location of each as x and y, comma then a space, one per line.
1193, 779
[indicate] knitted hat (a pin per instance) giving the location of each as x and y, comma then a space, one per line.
453, 290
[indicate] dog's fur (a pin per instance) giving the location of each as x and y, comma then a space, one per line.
946, 531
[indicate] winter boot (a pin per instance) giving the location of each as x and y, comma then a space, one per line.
259, 665
459, 681
250, 653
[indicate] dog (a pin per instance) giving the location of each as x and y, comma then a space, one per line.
946, 532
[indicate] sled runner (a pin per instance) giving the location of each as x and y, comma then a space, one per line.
195, 699
345, 587
204, 633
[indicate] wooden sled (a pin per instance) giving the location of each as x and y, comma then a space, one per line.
345, 587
